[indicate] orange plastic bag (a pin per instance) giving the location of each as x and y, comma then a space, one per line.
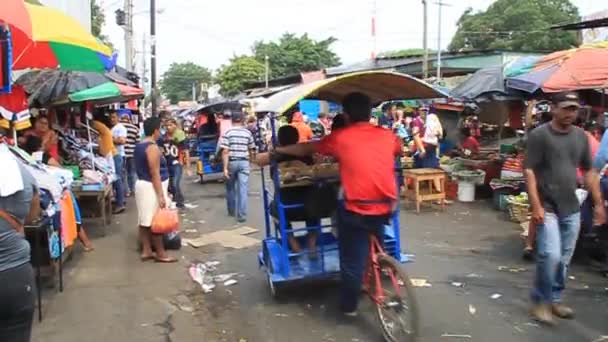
165, 221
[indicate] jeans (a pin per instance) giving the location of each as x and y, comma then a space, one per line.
353, 236
17, 298
555, 241
176, 179
237, 187
129, 169
119, 190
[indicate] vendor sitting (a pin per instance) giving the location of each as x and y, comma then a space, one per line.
288, 135
33, 146
470, 145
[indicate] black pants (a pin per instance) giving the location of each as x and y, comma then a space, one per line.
17, 303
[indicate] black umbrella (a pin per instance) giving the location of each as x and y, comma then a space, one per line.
47, 86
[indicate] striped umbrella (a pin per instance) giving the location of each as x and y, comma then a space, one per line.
568, 70
44, 37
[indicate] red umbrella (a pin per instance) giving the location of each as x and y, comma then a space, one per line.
14, 12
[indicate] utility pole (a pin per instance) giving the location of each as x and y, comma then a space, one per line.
267, 65
373, 31
425, 60
153, 52
440, 4
144, 71
128, 4
193, 91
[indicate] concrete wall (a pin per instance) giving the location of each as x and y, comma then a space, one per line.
79, 9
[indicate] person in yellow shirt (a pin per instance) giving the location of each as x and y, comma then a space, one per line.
109, 151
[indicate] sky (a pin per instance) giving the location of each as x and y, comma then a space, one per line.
210, 32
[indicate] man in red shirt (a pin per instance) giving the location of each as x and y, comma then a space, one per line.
366, 155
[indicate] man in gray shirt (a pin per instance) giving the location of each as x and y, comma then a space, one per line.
555, 150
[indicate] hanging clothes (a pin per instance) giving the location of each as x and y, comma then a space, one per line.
69, 229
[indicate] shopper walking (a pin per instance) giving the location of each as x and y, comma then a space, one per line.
238, 147
555, 150
133, 137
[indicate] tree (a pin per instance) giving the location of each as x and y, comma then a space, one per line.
98, 19
292, 54
517, 25
406, 53
176, 83
241, 70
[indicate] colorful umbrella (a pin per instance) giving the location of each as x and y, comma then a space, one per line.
569, 70
108, 92
43, 37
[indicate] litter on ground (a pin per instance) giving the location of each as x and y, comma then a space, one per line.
496, 296
416, 282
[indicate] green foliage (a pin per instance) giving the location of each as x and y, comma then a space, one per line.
517, 25
176, 83
234, 76
98, 19
406, 53
292, 54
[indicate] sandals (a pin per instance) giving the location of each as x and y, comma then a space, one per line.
167, 260
146, 257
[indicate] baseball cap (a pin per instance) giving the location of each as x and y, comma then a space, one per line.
227, 113
566, 99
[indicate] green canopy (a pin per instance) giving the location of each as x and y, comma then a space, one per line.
102, 91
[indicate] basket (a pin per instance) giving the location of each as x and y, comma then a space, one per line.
472, 176
518, 212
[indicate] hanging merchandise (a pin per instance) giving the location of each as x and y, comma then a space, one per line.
14, 108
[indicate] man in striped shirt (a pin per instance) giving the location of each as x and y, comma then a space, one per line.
238, 147
132, 140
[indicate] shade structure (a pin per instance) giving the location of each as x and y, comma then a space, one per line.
569, 70
108, 91
44, 37
380, 86
486, 84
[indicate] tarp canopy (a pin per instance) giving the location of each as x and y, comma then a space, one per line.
576, 69
485, 84
380, 86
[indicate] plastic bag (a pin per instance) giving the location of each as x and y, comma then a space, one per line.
165, 221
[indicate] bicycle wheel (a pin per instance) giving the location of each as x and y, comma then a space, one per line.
397, 311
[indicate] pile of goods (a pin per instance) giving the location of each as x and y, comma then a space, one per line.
519, 207
512, 168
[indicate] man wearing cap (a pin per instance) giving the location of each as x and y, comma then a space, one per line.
555, 150
237, 147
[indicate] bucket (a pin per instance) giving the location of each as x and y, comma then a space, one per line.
466, 191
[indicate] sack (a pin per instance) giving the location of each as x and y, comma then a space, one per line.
165, 221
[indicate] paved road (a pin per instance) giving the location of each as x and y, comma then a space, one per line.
111, 296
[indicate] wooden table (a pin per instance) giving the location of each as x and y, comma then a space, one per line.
417, 193
103, 208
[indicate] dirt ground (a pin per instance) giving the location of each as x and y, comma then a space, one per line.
112, 296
